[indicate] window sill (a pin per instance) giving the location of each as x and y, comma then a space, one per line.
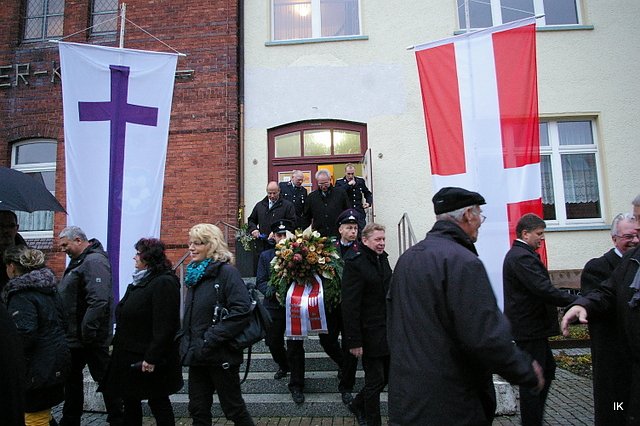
561, 228
573, 27
315, 40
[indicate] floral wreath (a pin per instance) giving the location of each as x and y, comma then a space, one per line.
301, 256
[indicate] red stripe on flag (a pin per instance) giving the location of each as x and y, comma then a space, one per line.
314, 309
296, 316
515, 59
516, 210
441, 101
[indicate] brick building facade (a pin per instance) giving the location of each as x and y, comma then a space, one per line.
202, 181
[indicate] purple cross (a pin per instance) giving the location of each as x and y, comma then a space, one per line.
118, 112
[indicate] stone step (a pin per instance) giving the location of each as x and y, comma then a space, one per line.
314, 361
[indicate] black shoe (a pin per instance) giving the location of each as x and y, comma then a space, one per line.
356, 411
297, 396
347, 398
280, 374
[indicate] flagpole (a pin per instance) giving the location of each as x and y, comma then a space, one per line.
123, 17
467, 17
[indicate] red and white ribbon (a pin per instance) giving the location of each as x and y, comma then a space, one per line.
305, 309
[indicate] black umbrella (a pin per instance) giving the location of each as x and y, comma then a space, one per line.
19, 191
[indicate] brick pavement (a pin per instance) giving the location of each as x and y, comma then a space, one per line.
570, 402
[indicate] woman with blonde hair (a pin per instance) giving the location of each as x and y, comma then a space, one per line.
217, 307
33, 302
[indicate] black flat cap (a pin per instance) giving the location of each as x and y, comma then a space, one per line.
348, 216
281, 226
451, 198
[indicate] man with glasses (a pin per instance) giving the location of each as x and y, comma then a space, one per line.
606, 347
9, 237
324, 205
445, 331
530, 301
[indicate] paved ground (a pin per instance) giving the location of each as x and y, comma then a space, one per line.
570, 402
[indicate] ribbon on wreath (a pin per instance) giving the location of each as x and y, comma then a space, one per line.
305, 309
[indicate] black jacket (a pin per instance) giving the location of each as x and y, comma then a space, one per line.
297, 195
262, 217
87, 296
447, 335
12, 383
262, 281
365, 283
201, 342
322, 211
35, 306
530, 299
610, 377
356, 192
615, 296
147, 321
347, 252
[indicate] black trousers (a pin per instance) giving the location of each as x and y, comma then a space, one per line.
160, 408
376, 377
275, 338
532, 403
97, 358
203, 382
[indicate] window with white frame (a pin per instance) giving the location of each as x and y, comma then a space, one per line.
103, 16
43, 19
487, 13
569, 166
36, 158
301, 19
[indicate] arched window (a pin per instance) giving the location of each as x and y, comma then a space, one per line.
37, 158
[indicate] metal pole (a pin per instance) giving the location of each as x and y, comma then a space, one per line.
466, 16
123, 14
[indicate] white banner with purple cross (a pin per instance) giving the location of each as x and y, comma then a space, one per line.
117, 106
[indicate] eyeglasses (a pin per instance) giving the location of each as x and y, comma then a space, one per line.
628, 236
481, 216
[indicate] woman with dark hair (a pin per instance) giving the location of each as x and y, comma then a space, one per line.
213, 363
144, 363
33, 302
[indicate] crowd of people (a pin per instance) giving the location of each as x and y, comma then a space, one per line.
431, 329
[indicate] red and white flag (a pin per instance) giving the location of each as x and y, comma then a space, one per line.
305, 309
480, 98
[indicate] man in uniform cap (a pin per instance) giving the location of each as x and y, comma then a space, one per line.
348, 229
444, 322
356, 189
275, 334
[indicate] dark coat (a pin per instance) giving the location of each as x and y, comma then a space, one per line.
12, 383
616, 296
262, 281
447, 335
607, 349
347, 252
147, 321
202, 343
356, 192
365, 283
87, 296
262, 217
322, 211
297, 195
530, 299
34, 304
4, 278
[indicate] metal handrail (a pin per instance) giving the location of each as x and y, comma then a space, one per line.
178, 268
406, 236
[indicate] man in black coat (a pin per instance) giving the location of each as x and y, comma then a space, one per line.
364, 287
530, 301
356, 189
267, 211
12, 372
87, 297
324, 205
445, 331
606, 347
296, 193
8, 237
275, 334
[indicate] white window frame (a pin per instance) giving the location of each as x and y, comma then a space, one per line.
555, 150
31, 168
538, 9
316, 23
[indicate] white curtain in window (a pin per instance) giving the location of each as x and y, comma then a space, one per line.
547, 180
580, 178
291, 19
339, 17
36, 221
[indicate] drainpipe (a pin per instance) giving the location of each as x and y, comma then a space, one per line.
241, 206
